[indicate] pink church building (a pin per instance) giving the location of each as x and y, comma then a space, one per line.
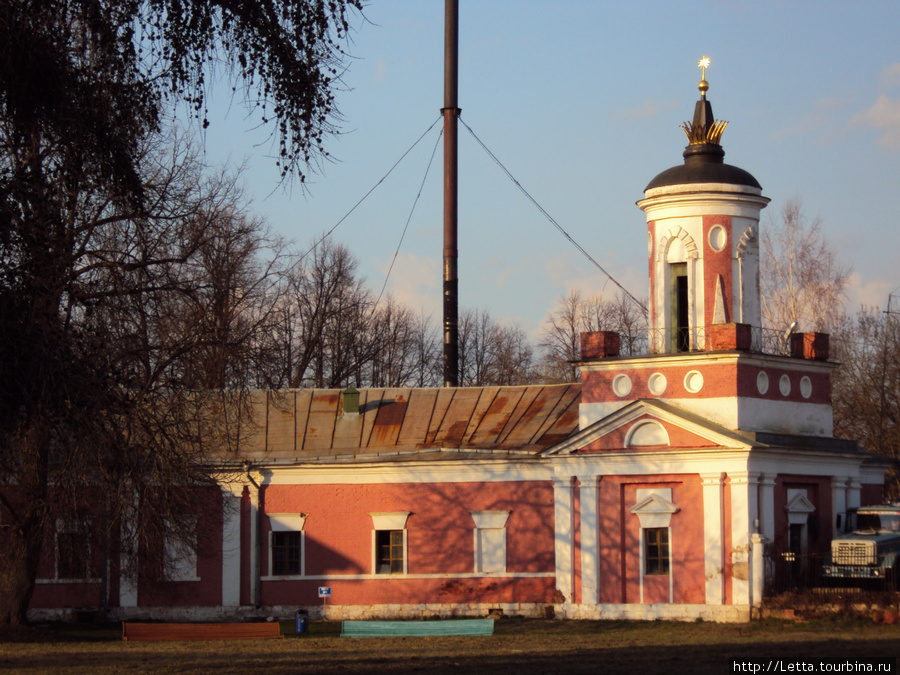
654, 488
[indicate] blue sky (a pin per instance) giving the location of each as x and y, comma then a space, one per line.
582, 102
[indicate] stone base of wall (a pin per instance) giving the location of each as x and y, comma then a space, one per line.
532, 610
315, 612
420, 611
656, 612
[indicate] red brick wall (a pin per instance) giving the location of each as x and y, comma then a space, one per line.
206, 592
714, 264
620, 533
820, 525
440, 540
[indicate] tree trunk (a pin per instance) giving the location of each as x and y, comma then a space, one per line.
22, 551
23, 516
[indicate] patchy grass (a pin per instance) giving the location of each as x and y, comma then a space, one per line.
518, 646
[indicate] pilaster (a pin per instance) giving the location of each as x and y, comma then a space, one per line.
589, 499
744, 511
714, 536
564, 543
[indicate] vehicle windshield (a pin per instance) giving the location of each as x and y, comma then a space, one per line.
878, 522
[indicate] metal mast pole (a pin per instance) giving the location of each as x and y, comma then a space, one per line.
450, 113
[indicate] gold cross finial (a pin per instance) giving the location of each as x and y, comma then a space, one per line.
703, 64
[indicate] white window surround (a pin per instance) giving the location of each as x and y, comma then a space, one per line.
490, 520
288, 522
490, 541
389, 520
69, 526
654, 509
798, 508
180, 554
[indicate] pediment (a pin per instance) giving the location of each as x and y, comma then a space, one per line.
652, 505
800, 504
649, 424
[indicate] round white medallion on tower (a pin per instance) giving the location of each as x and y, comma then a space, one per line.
702, 220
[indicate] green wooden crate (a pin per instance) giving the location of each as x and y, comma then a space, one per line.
417, 628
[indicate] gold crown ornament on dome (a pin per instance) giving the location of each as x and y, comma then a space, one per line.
703, 129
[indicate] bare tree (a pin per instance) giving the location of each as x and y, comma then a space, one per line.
491, 353
427, 350
101, 413
866, 386
95, 239
396, 353
324, 319
476, 335
575, 314
801, 280
513, 362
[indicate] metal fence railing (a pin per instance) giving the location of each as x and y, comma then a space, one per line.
791, 572
670, 341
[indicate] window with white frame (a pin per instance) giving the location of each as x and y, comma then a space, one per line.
181, 549
654, 509
287, 544
389, 542
656, 550
73, 550
490, 541
799, 508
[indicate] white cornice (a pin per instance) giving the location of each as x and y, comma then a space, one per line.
697, 359
699, 196
475, 471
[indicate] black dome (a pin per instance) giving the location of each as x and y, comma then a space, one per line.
703, 172
703, 157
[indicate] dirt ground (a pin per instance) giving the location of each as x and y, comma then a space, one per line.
517, 646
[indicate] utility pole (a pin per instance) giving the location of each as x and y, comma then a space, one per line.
450, 111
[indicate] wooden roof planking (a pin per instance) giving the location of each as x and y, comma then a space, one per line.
305, 425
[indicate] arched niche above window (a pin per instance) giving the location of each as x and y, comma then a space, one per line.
646, 433
677, 246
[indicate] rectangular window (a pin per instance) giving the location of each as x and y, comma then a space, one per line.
680, 316
389, 552
490, 550
73, 550
181, 549
287, 548
795, 538
656, 550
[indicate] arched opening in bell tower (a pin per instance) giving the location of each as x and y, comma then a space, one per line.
678, 306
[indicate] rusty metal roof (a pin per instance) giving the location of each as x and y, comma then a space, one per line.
310, 425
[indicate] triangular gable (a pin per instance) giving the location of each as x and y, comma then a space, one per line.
800, 504
655, 509
624, 428
653, 504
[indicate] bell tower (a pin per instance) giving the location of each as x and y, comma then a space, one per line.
707, 351
702, 223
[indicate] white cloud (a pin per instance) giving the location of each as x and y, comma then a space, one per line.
821, 120
380, 71
866, 293
649, 108
414, 282
890, 76
884, 117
